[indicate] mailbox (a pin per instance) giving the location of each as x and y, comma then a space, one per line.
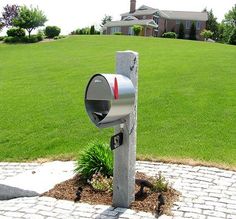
109, 98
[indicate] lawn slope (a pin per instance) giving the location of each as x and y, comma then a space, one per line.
187, 97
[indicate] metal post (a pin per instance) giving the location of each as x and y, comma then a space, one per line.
125, 156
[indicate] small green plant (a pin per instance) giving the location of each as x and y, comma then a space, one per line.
171, 35
101, 183
159, 183
97, 157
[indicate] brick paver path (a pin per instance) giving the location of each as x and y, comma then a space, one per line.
206, 193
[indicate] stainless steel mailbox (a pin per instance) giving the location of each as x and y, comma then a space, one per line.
109, 98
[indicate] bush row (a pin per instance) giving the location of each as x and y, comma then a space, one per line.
24, 39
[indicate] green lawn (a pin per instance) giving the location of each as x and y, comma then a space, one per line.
187, 97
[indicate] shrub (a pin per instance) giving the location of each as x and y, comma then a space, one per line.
137, 29
169, 35
97, 157
2, 38
16, 32
181, 31
40, 37
117, 33
59, 37
206, 34
52, 31
32, 39
192, 33
232, 37
11, 39
101, 183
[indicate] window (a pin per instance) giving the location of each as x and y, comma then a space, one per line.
198, 25
188, 23
177, 22
131, 31
115, 30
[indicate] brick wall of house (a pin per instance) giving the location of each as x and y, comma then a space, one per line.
172, 25
161, 26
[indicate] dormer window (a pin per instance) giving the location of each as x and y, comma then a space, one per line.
130, 18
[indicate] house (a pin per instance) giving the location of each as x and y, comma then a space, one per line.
155, 22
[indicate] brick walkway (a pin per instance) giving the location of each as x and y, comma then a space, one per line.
206, 193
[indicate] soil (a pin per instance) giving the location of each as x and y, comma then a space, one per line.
148, 202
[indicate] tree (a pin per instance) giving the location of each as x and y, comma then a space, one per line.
230, 17
227, 26
106, 19
181, 31
192, 33
206, 34
232, 37
212, 24
92, 30
10, 12
137, 29
29, 19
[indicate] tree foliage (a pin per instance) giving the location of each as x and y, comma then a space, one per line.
10, 12
230, 17
1, 25
137, 29
212, 24
232, 37
106, 19
29, 18
181, 31
92, 30
206, 34
227, 26
192, 33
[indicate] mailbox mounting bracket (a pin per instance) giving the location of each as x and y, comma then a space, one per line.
116, 141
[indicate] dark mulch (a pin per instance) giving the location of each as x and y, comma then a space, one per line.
147, 202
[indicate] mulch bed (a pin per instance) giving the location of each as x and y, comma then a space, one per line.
147, 202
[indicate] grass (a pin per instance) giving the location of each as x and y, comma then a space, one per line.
187, 98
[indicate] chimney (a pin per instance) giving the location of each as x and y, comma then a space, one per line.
132, 6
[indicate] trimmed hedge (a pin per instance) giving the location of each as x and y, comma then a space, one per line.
171, 35
24, 39
52, 31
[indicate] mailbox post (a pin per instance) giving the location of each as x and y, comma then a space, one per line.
125, 156
111, 101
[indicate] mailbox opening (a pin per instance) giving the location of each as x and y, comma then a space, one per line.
98, 109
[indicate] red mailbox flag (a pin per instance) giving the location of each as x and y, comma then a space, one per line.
115, 89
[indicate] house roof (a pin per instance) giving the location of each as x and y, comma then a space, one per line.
186, 15
173, 15
148, 22
143, 10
